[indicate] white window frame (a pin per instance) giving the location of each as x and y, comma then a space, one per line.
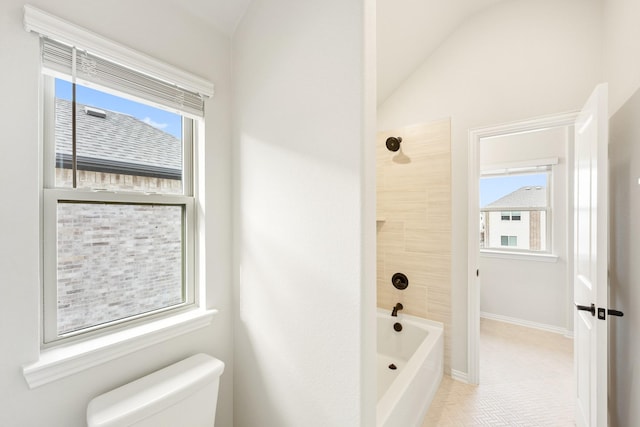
81, 352
52, 196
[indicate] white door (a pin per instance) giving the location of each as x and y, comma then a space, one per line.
591, 260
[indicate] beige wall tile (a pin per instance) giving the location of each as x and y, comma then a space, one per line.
414, 198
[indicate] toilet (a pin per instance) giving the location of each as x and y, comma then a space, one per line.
182, 394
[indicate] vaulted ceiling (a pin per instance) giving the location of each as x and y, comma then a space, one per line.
223, 15
408, 31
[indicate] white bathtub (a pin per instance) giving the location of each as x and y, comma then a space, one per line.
404, 394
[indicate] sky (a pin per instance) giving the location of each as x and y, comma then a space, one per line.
161, 119
493, 188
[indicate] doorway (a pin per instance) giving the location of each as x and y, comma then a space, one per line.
495, 244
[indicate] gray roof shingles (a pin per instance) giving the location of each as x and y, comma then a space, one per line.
117, 138
524, 197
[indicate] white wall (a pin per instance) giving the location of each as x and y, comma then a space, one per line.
621, 48
622, 71
524, 289
168, 35
303, 216
517, 60
624, 348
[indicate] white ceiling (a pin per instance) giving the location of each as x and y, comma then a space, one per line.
408, 31
223, 15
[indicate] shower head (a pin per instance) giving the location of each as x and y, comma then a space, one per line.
393, 143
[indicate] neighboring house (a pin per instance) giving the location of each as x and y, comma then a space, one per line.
516, 221
118, 152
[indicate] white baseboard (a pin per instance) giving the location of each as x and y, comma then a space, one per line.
520, 322
459, 376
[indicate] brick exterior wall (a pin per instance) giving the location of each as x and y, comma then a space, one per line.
534, 231
115, 261
121, 182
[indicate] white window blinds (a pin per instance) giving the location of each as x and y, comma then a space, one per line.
98, 61
59, 58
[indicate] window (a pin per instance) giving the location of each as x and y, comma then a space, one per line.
510, 216
515, 211
109, 208
509, 240
118, 211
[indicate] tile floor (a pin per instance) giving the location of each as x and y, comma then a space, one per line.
526, 379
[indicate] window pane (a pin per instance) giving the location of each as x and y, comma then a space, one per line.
506, 191
514, 206
116, 261
120, 144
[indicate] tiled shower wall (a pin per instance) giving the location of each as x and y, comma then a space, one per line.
414, 222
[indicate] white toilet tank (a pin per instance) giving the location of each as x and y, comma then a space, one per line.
182, 394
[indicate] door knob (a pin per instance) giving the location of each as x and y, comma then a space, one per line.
610, 312
602, 312
591, 308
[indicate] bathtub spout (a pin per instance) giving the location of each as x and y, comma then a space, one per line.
397, 308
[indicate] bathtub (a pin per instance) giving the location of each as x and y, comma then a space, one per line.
404, 394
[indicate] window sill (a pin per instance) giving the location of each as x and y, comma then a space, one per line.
519, 256
59, 362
